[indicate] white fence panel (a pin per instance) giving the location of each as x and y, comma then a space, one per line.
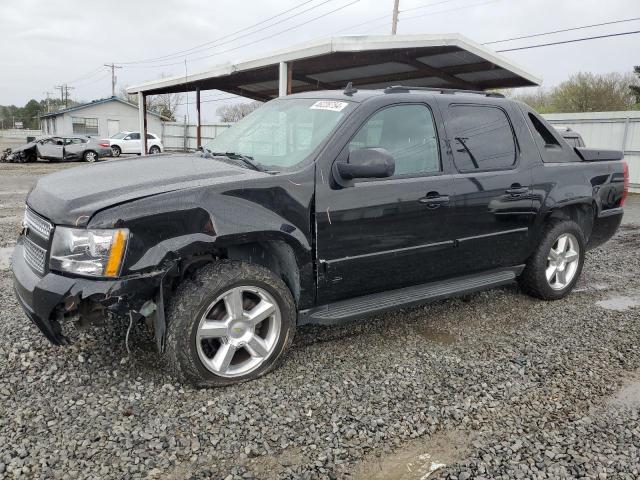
20, 133
178, 136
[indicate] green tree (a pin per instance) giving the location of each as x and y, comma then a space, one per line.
635, 87
589, 92
30, 114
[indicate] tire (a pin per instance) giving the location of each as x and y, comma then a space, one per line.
534, 279
116, 150
90, 156
154, 150
200, 362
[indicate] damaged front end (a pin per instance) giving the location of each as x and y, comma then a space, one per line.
53, 299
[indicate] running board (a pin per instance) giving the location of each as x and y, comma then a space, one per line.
343, 310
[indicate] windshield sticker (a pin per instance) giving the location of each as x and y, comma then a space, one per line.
332, 105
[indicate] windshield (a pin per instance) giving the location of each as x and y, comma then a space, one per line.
281, 133
119, 135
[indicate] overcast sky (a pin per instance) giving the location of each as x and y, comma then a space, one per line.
46, 43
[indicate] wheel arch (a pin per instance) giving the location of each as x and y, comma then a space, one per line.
582, 213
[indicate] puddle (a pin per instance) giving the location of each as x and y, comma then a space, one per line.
629, 395
5, 257
428, 332
420, 459
619, 304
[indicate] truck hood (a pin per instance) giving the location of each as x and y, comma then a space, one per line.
73, 196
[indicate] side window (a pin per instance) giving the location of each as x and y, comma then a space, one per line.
543, 132
134, 136
481, 138
150, 137
408, 132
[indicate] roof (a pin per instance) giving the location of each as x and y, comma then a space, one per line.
447, 61
91, 104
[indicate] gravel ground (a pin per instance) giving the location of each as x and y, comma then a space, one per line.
493, 385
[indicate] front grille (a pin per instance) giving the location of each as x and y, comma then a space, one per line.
37, 224
34, 255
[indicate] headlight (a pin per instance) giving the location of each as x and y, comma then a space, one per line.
97, 253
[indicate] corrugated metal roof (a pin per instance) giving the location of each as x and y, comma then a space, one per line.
440, 60
91, 104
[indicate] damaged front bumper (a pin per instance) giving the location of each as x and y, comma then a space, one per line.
48, 299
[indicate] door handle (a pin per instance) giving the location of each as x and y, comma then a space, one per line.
517, 190
434, 200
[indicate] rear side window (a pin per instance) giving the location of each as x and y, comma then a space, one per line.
481, 138
150, 137
134, 136
543, 132
408, 132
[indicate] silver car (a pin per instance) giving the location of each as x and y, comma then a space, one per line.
60, 148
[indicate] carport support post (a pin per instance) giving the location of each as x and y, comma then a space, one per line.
198, 137
285, 75
142, 114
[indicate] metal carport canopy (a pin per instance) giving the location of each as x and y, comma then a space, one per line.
443, 61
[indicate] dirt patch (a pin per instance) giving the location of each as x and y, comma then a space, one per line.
416, 460
431, 334
629, 395
5, 257
619, 303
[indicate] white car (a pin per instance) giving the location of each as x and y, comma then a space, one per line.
129, 142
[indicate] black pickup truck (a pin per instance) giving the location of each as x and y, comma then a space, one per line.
316, 208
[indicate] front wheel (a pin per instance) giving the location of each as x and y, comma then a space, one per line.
231, 323
553, 270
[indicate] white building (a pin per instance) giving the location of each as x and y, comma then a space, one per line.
99, 118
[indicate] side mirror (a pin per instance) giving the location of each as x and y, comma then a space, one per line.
366, 163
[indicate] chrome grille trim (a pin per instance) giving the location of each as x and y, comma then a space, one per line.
37, 224
34, 255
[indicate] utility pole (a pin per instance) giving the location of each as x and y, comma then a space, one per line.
113, 67
48, 101
394, 21
64, 93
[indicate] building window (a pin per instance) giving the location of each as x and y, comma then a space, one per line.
85, 126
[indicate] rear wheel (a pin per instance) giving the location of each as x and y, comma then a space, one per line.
554, 268
154, 150
90, 156
116, 150
231, 323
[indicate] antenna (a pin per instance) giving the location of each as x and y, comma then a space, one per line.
350, 89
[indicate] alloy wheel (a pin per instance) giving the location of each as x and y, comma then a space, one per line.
239, 331
563, 261
90, 157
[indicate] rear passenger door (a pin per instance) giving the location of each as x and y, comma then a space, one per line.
381, 234
492, 207
74, 148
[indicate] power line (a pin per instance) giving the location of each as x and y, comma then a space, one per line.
449, 10
564, 30
113, 67
570, 41
386, 16
216, 42
254, 41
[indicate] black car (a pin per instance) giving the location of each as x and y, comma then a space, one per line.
317, 208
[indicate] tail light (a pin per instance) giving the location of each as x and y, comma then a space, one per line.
105, 144
625, 189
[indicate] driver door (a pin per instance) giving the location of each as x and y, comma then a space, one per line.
131, 143
387, 233
51, 149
